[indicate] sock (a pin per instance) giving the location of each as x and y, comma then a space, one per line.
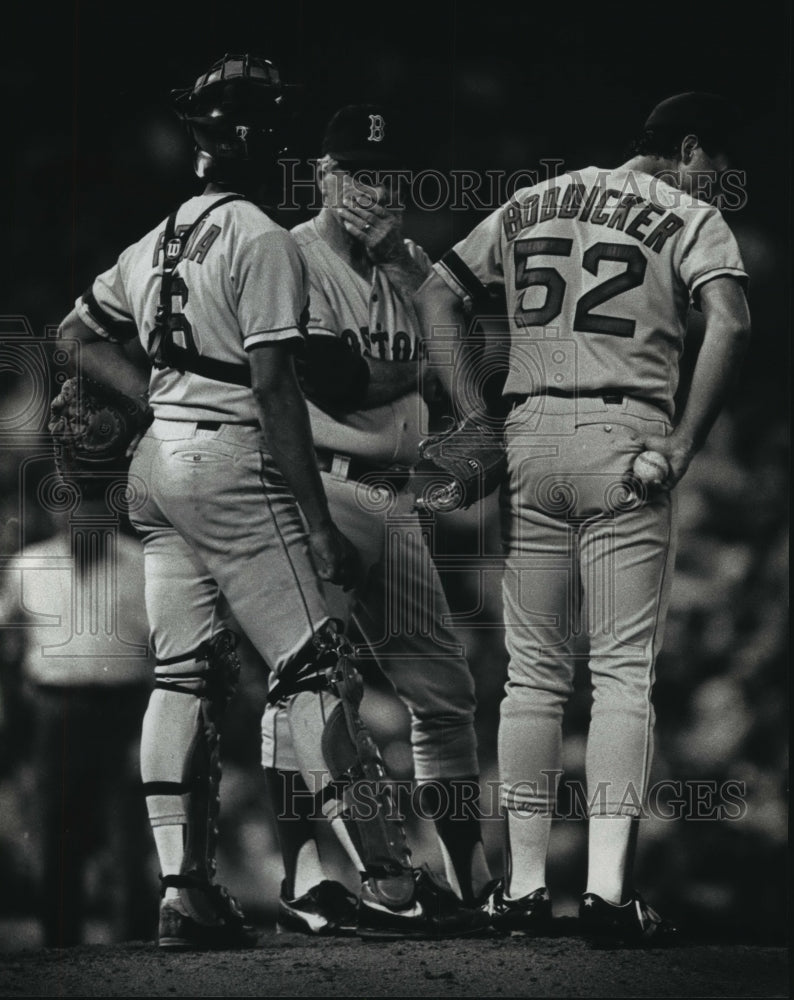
342, 834
293, 808
169, 841
526, 846
168, 749
453, 805
611, 843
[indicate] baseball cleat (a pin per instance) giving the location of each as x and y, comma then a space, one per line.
179, 931
633, 924
433, 911
527, 915
327, 909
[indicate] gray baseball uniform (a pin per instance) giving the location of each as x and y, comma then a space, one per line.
220, 528
400, 605
599, 268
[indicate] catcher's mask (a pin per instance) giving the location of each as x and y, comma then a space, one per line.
236, 116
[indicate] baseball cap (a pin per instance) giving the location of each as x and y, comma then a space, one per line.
706, 115
362, 134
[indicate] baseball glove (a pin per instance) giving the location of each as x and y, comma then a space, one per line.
92, 427
458, 468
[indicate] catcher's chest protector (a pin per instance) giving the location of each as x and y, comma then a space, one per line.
163, 348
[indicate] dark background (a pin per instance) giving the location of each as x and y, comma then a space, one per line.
94, 159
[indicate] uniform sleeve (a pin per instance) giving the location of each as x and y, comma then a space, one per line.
709, 250
322, 320
104, 307
273, 290
475, 263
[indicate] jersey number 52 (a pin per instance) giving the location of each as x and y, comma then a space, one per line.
585, 321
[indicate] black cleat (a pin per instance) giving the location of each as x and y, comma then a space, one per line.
223, 925
632, 924
433, 911
327, 909
529, 915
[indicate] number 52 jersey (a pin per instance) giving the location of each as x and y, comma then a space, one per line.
599, 269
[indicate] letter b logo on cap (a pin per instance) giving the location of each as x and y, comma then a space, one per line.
377, 128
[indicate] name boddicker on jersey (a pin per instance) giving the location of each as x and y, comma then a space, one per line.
592, 205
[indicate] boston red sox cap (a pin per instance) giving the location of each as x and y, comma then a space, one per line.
703, 114
362, 134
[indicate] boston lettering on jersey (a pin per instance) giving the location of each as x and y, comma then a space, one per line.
600, 206
398, 346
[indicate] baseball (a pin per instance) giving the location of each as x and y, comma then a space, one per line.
651, 468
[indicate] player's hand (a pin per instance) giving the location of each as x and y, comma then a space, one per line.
679, 452
334, 556
368, 216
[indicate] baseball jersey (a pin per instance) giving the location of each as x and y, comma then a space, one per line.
241, 283
81, 627
599, 269
375, 321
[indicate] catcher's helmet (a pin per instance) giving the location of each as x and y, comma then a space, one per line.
236, 115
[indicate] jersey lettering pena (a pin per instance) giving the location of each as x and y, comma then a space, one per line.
373, 320
241, 283
599, 269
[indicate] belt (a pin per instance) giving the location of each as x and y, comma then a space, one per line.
354, 469
215, 425
607, 395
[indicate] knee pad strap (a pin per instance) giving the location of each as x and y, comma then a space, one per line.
211, 671
307, 670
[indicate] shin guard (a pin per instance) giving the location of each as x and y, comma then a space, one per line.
358, 791
181, 747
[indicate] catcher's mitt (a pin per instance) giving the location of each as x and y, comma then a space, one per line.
93, 426
458, 468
